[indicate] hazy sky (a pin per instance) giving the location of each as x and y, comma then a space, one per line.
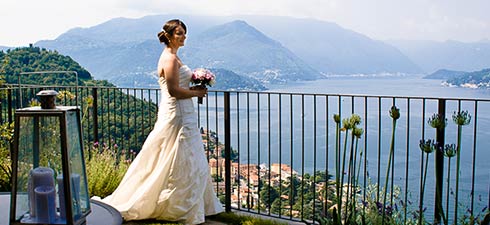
27, 21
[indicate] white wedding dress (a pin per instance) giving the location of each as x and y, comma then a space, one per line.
169, 179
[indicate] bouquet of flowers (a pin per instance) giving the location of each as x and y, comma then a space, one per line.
202, 77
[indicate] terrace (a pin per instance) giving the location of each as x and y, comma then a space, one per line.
282, 155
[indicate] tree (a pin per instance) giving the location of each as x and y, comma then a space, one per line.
29, 59
268, 195
276, 206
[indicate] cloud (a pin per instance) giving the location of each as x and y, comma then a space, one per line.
305, 8
32, 20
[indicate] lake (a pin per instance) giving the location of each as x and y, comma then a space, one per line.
303, 136
382, 85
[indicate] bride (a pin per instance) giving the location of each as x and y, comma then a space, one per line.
169, 179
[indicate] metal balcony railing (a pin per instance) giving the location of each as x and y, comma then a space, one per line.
282, 155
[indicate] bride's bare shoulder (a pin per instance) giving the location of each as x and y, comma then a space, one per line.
167, 60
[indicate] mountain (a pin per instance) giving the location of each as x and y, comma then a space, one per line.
451, 55
229, 80
444, 74
129, 62
476, 79
136, 30
112, 50
272, 49
329, 48
243, 49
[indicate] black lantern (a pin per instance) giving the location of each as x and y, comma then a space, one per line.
49, 183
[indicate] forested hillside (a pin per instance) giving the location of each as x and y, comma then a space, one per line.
477, 79
30, 59
132, 113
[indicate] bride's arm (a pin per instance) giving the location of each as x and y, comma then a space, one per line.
171, 73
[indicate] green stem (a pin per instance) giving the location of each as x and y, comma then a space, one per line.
350, 181
337, 168
359, 166
423, 185
354, 178
343, 170
458, 147
421, 202
448, 184
392, 148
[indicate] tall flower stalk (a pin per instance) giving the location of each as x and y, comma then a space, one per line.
427, 146
356, 133
439, 122
346, 126
449, 152
354, 120
461, 119
337, 213
395, 115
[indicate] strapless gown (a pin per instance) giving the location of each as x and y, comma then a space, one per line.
169, 179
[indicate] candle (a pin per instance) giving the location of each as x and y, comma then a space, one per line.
75, 180
40, 176
45, 204
61, 196
30, 195
75, 191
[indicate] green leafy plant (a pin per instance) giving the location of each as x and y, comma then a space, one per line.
106, 171
377, 213
6, 135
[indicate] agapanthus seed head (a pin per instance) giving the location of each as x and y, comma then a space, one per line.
355, 119
347, 125
427, 146
437, 121
336, 118
450, 150
357, 132
395, 112
461, 118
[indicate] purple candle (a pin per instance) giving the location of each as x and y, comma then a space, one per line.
40, 176
45, 204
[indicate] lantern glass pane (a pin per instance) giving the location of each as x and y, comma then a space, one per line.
39, 162
81, 199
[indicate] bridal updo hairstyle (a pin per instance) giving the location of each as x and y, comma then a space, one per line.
169, 29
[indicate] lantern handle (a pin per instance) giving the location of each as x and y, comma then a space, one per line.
48, 72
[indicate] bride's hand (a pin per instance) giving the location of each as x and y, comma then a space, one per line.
200, 92
198, 87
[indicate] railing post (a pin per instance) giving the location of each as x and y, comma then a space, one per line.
439, 164
9, 105
95, 119
1, 108
227, 152
10, 114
